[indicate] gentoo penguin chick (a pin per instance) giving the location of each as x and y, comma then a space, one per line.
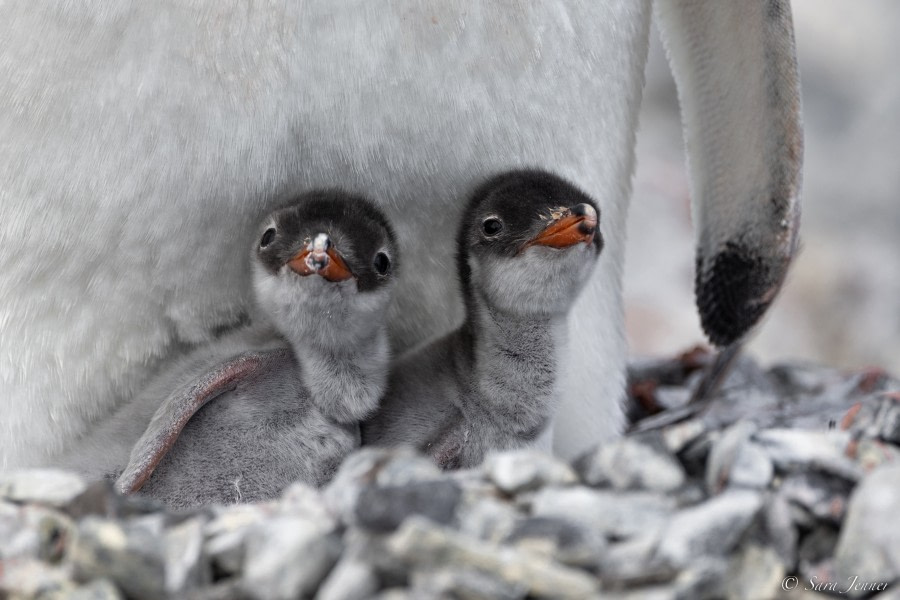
527, 244
288, 404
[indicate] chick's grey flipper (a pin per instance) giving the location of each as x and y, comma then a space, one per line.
735, 68
175, 412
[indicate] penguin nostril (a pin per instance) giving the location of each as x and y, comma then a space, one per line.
321, 243
584, 210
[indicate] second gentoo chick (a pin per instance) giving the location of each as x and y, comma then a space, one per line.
290, 391
527, 244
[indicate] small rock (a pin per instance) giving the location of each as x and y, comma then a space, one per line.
703, 580
559, 539
226, 536
373, 466
818, 545
287, 557
396, 594
640, 461
633, 563
99, 589
616, 514
656, 592
41, 486
712, 528
101, 500
515, 471
229, 589
694, 456
779, 529
825, 497
130, 554
424, 545
351, 579
892, 593
872, 453
465, 584
185, 565
405, 465
734, 460
867, 547
487, 518
28, 578
302, 500
756, 572
820, 450
33, 531
384, 508
804, 378
676, 437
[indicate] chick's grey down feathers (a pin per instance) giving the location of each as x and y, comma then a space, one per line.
491, 383
283, 400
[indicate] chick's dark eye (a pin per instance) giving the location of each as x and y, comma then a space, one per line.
267, 237
381, 263
492, 226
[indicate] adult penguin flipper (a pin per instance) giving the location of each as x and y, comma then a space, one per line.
175, 412
735, 68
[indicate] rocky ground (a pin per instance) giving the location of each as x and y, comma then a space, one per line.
785, 485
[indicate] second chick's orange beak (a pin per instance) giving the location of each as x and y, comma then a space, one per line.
321, 258
574, 225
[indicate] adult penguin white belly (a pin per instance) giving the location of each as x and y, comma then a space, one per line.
133, 133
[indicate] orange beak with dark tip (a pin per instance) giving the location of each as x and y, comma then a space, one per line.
321, 258
572, 226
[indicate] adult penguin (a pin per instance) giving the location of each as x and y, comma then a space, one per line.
134, 132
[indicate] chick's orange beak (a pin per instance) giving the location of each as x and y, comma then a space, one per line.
321, 258
574, 225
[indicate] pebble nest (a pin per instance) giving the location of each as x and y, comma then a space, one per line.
785, 484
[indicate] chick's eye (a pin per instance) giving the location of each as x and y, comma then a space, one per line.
267, 237
381, 263
492, 226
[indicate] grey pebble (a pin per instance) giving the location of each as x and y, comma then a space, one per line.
287, 557
868, 545
384, 508
735, 461
422, 545
226, 534
99, 589
712, 528
515, 471
465, 584
822, 496
31, 578
131, 554
487, 518
41, 486
554, 537
756, 572
350, 579
641, 462
618, 514
186, 567
820, 450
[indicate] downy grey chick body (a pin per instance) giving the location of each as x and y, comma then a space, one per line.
280, 400
527, 243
